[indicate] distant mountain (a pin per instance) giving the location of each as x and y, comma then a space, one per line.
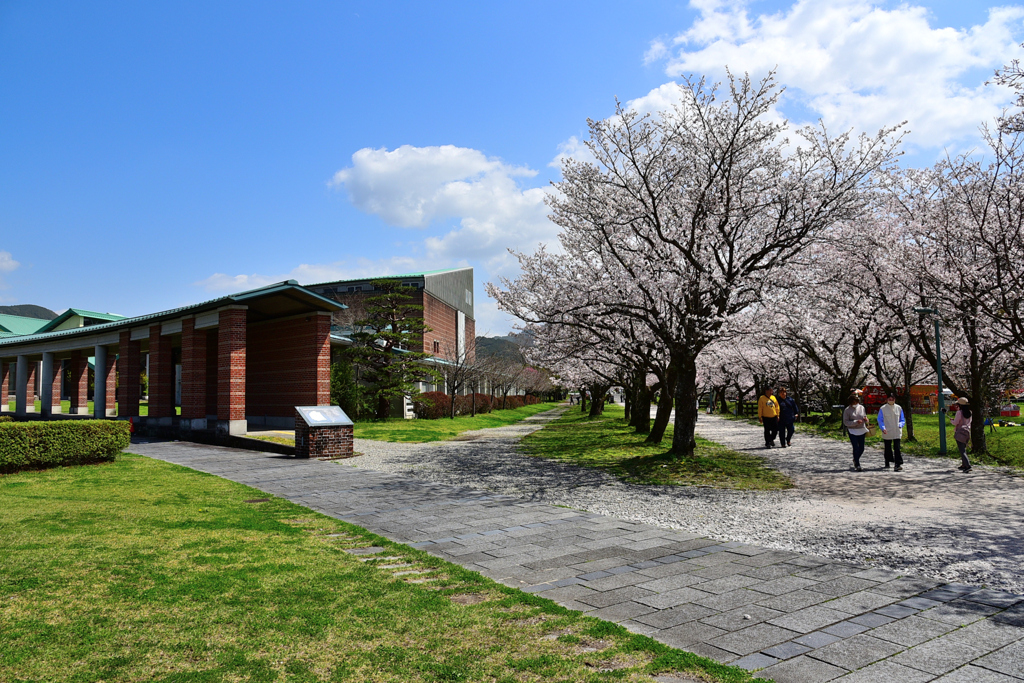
497, 346
29, 311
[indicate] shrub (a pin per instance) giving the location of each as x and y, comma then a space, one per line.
432, 405
36, 445
530, 400
513, 402
5, 418
483, 404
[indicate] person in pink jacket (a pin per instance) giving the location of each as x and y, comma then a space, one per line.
962, 432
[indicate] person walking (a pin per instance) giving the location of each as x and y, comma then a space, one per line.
855, 419
962, 432
891, 421
768, 415
788, 414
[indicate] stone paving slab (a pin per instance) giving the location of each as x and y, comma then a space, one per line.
793, 617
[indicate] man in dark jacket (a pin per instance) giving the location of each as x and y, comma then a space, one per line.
788, 413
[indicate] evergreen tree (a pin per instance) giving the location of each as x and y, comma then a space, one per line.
384, 345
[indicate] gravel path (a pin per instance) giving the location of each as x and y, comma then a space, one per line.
928, 520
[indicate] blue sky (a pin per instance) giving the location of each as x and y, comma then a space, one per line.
158, 154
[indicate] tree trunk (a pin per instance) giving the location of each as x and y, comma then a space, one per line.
628, 400
597, 395
683, 441
979, 445
642, 410
383, 408
583, 399
664, 414
908, 404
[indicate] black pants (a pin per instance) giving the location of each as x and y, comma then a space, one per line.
771, 429
964, 461
786, 430
892, 446
858, 447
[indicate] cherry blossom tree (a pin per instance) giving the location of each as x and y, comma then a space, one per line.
682, 217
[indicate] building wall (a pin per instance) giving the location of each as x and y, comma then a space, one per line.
288, 365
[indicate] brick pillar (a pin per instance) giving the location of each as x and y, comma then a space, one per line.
322, 348
111, 384
161, 375
129, 367
58, 370
30, 391
79, 389
231, 370
193, 375
5, 389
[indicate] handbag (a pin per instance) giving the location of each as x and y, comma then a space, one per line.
962, 434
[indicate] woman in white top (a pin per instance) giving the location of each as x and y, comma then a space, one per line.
962, 433
855, 419
891, 421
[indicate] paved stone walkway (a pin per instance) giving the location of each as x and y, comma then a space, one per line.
800, 618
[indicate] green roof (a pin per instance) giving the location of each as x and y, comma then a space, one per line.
71, 312
14, 325
390, 277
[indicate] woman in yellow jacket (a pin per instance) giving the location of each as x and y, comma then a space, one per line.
768, 415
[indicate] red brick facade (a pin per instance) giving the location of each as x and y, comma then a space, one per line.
193, 371
289, 365
161, 374
111, 378
129, 364
322, 442
55, 387
231, 357
32, 396
443, 321
78, 388
5, 383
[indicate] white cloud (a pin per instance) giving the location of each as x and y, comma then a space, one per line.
416, 187
313, 273
7, 262
855, 63
7, 265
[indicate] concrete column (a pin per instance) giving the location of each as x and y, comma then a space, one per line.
161, 377
193, 375
46, 385
99, 384
79, 383
231, 355
129, 361
21, 378
5, 378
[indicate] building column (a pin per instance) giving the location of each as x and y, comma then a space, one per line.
111, 385
21, 388
30, 379
161, 377
193, 375
231, 371
79, 389
5, 378
46, 382
55, 385
99, 382
129, 360
322, 344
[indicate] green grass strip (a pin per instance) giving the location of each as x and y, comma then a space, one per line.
143, 570
609, 443
421, 431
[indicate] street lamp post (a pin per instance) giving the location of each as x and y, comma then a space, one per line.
938, 373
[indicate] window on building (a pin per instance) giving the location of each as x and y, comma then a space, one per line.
437, 346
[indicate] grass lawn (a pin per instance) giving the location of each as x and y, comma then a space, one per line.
608, 443
421, 431
142, 570
1005, 445
65, 407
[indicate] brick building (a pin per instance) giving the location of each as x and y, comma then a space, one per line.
445, 295
221, 365
245, 358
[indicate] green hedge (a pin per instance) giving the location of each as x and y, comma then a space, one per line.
35, 445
